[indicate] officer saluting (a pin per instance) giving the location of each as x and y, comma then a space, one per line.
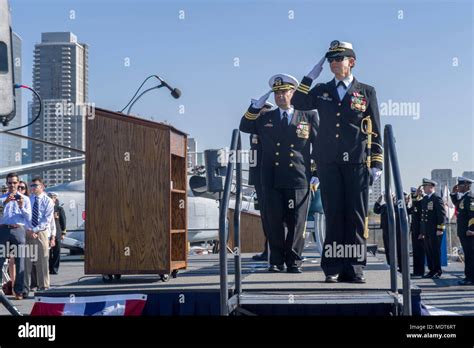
464, 202
433, 215
286, 136
348, 157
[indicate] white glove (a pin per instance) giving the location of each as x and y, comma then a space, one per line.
314, 183
376, 173
314, 74
258, 104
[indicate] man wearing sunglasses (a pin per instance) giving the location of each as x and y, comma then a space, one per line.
346, 165
16, 215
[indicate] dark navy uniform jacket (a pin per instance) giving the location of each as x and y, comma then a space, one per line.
433, 215
286, 154
340, 139
254, 168
465, 208
415, 212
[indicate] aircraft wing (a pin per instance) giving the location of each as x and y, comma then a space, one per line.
46, 165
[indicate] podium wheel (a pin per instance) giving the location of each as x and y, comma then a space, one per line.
174, 274
164, 277
117, 276
107, 278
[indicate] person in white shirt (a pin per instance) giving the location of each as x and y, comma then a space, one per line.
38, 234
16, 215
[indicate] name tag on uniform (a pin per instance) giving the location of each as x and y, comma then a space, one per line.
254, 139
430, 206
268, 125
302, 130
461, 205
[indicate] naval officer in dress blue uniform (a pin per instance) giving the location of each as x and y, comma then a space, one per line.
287, 136
348, 158
464, 202
433, 216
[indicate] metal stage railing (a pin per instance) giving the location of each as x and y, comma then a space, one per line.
235, 148
391, 167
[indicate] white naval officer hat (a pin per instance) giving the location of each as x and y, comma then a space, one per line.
282, 82
464, 181
340, 49
429, 182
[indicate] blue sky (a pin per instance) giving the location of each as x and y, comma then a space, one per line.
408, 60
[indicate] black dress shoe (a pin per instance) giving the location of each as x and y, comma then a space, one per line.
344, 278
416, 275
358, 279
436, 276
276, 268
332, 278
428, 275
294, 269
465, 282
260, 257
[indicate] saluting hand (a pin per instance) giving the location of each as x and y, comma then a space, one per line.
376, 173
258, 104
314, 183
316, 71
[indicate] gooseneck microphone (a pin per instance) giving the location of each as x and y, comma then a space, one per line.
176, 93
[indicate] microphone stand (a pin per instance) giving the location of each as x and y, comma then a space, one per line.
141, 95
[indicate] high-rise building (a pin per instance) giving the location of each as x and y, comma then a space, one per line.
192, 152
374, 192
60, 76
443, 177
10, 147
468, 175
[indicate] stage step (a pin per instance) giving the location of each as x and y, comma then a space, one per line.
316, 303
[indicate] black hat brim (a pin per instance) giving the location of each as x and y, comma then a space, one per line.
346, 53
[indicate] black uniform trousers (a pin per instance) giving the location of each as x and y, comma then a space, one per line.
432, 244
261, 200
467, 244
55, 255
418, 248
285, 206
417, 245
344, 193
386, 245
382, 210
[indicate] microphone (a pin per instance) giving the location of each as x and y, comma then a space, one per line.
176, 93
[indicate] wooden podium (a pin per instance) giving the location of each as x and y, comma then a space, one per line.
136, 201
